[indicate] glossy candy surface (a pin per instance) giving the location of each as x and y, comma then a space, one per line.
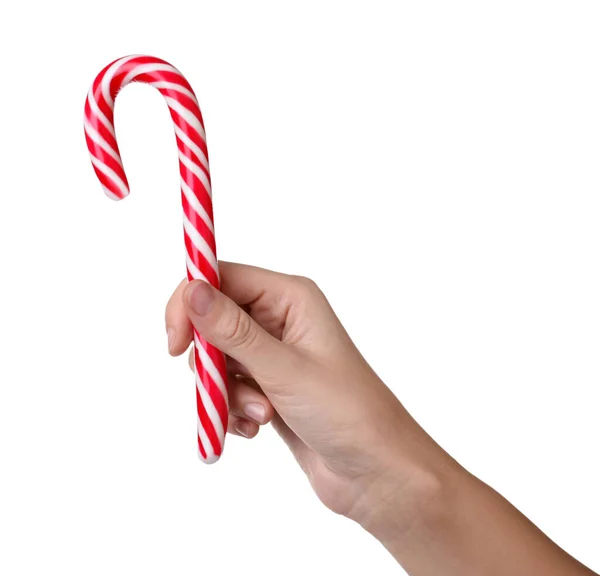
196, 198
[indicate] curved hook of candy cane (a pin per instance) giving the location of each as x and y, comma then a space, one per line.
196, 196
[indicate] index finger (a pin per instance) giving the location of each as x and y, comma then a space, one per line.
246, 285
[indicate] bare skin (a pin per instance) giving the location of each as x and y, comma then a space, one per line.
292, 363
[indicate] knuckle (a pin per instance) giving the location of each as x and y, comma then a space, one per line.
240, 332
306, 284
307, 290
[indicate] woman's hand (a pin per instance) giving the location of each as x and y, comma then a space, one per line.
291, 362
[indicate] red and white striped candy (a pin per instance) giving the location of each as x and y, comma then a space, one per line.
199, 235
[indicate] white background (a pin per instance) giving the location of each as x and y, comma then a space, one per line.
434, 166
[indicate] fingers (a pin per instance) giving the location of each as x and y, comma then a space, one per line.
248, 402
178, 325
245, 398
291, 308
225, 325
233, 366
247, 285
249, 408
241, 427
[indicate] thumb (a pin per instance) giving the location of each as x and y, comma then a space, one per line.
225, 325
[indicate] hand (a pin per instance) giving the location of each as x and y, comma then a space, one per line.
291, 362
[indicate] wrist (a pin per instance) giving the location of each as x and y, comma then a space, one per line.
411, 496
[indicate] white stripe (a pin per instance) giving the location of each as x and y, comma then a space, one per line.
110, 74
211, 457
111, 174
105, 89
163, 84
210, 367
209, 406
196, 171
149, 67
187, 115
192, 146
97, 112
95, 137
194, 271
196, 205
110, 193
211, 460
200, 243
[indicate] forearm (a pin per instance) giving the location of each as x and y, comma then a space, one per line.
446, 522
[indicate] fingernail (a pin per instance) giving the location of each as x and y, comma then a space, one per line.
201, 298
256, 412
241, 429
171, 338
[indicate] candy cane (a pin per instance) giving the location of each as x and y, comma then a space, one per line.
201, 259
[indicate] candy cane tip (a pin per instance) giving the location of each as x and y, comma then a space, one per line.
212, 459
116, 197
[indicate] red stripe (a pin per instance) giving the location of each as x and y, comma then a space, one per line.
190, 131
211, 387
207, 424
218, 359
185, 101
108, 183
105, 107
189, 153
200, 261
186, 151
191, 213
99, 126
201, 448
198, 223
100, 77
162, 76
165, 76
106, 158
148, 76
197, 188
127, 67
182, 97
